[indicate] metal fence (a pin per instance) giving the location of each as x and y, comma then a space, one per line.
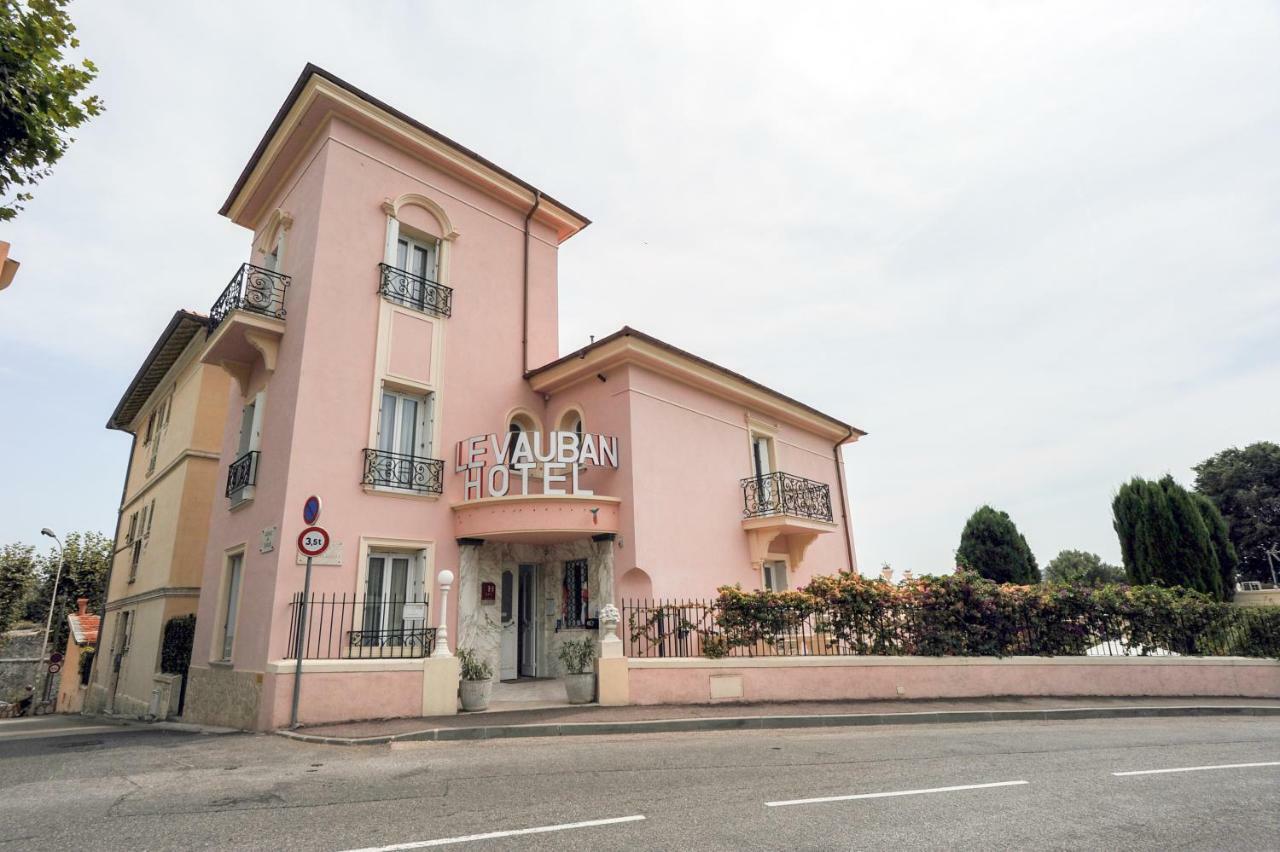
694, 628
342, 627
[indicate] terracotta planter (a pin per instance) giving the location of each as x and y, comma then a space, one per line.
580, 688
475, 694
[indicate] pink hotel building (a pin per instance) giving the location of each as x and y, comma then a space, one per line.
393, 345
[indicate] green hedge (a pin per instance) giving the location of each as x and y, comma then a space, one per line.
963, 614
175, 648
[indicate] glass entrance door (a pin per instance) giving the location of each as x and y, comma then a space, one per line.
526, 629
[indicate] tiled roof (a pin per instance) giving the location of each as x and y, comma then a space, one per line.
173, 340
84, 628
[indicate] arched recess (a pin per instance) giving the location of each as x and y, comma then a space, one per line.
635, 585
571, 420
394, 208
270, 238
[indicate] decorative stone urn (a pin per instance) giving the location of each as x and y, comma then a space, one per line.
576, 658
580, 688
475, 694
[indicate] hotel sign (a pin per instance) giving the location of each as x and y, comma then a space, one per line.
497, 465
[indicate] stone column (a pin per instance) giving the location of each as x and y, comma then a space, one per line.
602, 570
468, 590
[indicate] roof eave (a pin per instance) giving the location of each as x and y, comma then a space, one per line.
614, 348
179, 317
299, 87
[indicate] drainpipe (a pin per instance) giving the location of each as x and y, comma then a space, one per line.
844, 509
524, 296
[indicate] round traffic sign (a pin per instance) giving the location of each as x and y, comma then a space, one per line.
313, 541
311, 510
54, 668
55, 657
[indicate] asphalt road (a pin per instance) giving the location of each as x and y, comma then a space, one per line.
138, 788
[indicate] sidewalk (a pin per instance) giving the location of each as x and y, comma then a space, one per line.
593, 719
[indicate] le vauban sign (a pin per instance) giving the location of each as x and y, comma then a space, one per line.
497, 465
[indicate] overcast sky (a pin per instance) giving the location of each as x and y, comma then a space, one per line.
1032, 249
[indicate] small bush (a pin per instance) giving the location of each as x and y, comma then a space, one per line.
577, 655
474, 668
175, 648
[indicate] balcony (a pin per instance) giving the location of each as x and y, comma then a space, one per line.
247, 323
785, 494
399, 472
242, 475
252, 289
414, 291
784, 514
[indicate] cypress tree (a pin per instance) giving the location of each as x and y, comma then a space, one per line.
1224, 552
1166, 539
992, 546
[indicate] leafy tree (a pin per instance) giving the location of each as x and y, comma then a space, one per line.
84, 575
992, 546
40, 94
1078, 566
1245, 486
17, 577
1164, 537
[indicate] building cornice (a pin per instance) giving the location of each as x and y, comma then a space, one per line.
629, 346
154, 594
321, 96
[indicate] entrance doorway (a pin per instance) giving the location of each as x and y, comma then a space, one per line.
526, 622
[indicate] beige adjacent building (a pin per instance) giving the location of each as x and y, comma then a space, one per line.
174, 409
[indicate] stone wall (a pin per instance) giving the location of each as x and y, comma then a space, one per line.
19, 652
223, 696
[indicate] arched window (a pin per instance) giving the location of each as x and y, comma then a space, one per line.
571, 421
521, 421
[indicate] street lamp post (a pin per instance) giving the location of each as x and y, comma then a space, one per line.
42, 671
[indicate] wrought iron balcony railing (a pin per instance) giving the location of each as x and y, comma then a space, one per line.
254, 289
343, 626
414, 291
785, 494
396, 470
242, 473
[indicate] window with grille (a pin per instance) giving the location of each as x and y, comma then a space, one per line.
575, 593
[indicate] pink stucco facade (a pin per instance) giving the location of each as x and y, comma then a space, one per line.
701, 681
341, 185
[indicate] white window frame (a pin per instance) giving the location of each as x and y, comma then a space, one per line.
250, 443
769, 577
431, 247
414, 591
425, 401
229, 611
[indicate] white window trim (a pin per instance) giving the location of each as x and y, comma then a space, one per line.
225, 594
246, 494
779, 559
425, 568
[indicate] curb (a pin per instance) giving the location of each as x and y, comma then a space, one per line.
758, 723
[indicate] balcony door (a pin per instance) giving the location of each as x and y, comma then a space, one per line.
417, 257
762, 464
404, 424
392, 580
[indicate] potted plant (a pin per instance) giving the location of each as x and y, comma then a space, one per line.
477, 680
576, 657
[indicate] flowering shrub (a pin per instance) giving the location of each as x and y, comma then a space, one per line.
963, 615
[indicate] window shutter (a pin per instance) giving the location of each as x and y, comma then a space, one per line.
151, 516
133, 528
